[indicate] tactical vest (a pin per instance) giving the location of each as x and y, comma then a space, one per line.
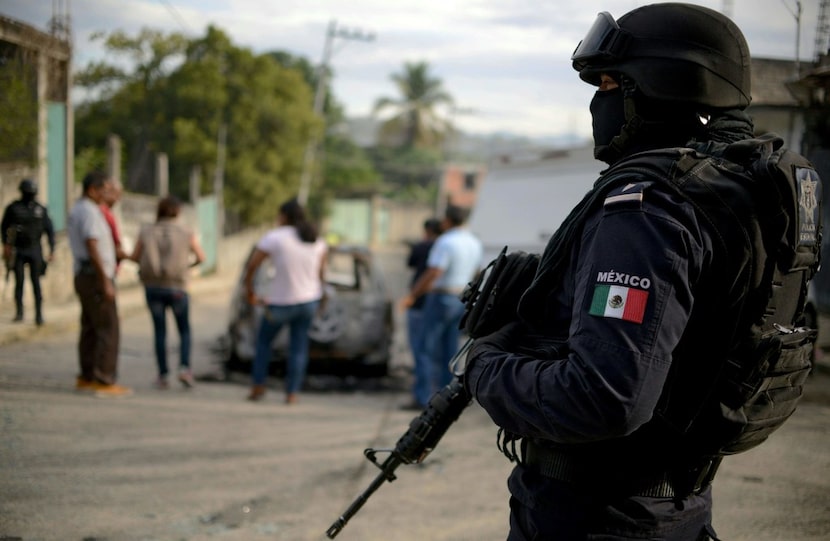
729, 391
28, 221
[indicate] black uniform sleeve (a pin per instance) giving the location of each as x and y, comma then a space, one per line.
632, 295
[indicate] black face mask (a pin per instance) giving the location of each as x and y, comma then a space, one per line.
608, 112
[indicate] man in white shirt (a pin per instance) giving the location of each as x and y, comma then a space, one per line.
453, 261
94, 262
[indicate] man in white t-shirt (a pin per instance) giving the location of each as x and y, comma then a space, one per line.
94, 259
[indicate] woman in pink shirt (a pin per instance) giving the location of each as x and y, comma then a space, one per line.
293, 296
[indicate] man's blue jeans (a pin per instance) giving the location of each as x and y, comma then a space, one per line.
298, 318
437, 345
414, 325
159, 299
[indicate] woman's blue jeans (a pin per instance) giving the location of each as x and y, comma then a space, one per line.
298, 318
159, 299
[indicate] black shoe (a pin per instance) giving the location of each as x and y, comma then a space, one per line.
412, 406
18, 318
39, 321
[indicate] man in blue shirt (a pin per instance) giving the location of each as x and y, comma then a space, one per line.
453, 261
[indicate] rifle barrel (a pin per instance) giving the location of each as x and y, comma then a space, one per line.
387, 468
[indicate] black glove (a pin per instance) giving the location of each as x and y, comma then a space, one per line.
504, 339
516, 337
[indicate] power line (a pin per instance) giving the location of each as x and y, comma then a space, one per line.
176, 15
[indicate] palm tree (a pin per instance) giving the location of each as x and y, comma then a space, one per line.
416, 122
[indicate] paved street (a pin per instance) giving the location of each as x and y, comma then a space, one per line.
205, 464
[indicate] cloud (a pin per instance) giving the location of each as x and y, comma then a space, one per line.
506, 59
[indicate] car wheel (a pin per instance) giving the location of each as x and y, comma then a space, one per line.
329, 323
375, 370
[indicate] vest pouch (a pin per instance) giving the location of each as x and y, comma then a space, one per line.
765, 387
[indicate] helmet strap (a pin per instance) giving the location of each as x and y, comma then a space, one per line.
642, 132
633, 124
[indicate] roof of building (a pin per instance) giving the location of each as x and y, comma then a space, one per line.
29, 37
769, 76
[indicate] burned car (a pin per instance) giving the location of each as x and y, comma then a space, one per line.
351, 335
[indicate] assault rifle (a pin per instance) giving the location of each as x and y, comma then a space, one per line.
490, 301
10, 260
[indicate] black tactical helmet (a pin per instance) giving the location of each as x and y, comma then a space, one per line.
673, 52
27, 186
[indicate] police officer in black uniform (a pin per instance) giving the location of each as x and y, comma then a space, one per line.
617, 339
24, 223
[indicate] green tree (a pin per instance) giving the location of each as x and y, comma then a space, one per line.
346, 167
415, 122
409, 174
178, 99
18, 110
332, 109
270, 122
128, 102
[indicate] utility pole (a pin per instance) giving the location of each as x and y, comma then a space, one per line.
332, 33
219, 178
797, 16
822, 31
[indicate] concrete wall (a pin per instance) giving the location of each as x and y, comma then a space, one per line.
376, 222
405, 222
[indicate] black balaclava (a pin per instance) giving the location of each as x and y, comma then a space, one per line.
608, 112
626, 122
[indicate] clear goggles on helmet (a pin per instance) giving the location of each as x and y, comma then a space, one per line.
604, 41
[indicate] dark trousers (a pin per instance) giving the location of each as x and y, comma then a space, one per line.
159, 299
35, 263
100, 333
543, 509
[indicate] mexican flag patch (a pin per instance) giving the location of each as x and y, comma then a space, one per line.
619, 302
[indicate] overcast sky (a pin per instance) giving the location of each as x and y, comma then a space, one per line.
506, 62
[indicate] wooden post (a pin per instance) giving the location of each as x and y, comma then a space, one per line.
162, 175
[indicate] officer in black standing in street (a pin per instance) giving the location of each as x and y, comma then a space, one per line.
24, 223
608, 385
